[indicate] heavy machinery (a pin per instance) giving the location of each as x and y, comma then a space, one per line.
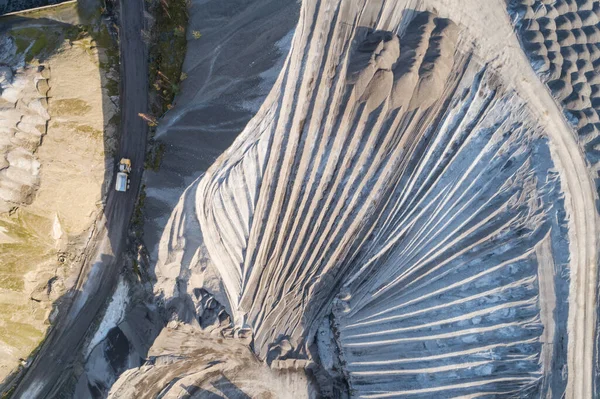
122, 183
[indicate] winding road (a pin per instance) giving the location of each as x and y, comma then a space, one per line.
53, 365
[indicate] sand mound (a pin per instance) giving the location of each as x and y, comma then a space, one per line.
562, 39
393, 213
186, 363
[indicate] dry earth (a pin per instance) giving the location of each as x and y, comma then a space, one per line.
55, 135
202, 373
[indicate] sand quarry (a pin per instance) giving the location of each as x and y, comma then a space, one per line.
385, 199
54, 141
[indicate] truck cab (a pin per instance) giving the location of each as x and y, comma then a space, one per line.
122, 183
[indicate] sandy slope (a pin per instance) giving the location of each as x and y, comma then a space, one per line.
409, 209
52, 171
201, 373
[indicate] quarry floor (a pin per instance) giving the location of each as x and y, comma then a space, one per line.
41, 246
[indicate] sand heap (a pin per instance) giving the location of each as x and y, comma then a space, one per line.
201, 373
403, 216
23, 119
562, 39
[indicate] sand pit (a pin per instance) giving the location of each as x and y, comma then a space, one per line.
408, 214
54, 132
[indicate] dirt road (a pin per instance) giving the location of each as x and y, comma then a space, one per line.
51, 368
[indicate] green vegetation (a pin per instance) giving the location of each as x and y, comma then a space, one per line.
26, 243
70, 106
110, 50
74, 32
138, 213
155, 156
167, 52
40, 42
136, 268
9, 393
112, 87
20, 335
89, 131
28, 247
90, 37
36, 43
57, 12
22, 44
39, 45
96, 36
116, 119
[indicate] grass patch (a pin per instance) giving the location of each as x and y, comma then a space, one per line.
38, 46
21, 44
112, 87
20, 335
8, 394
56, 12
32, 245
138, 215
155, 156
12, 281
104, 40
75, 32
90, 131
70, 107
116, 119
109, 60
84, 130
36, 43
167, 52
136, 268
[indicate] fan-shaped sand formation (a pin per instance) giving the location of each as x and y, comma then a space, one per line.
408, 214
